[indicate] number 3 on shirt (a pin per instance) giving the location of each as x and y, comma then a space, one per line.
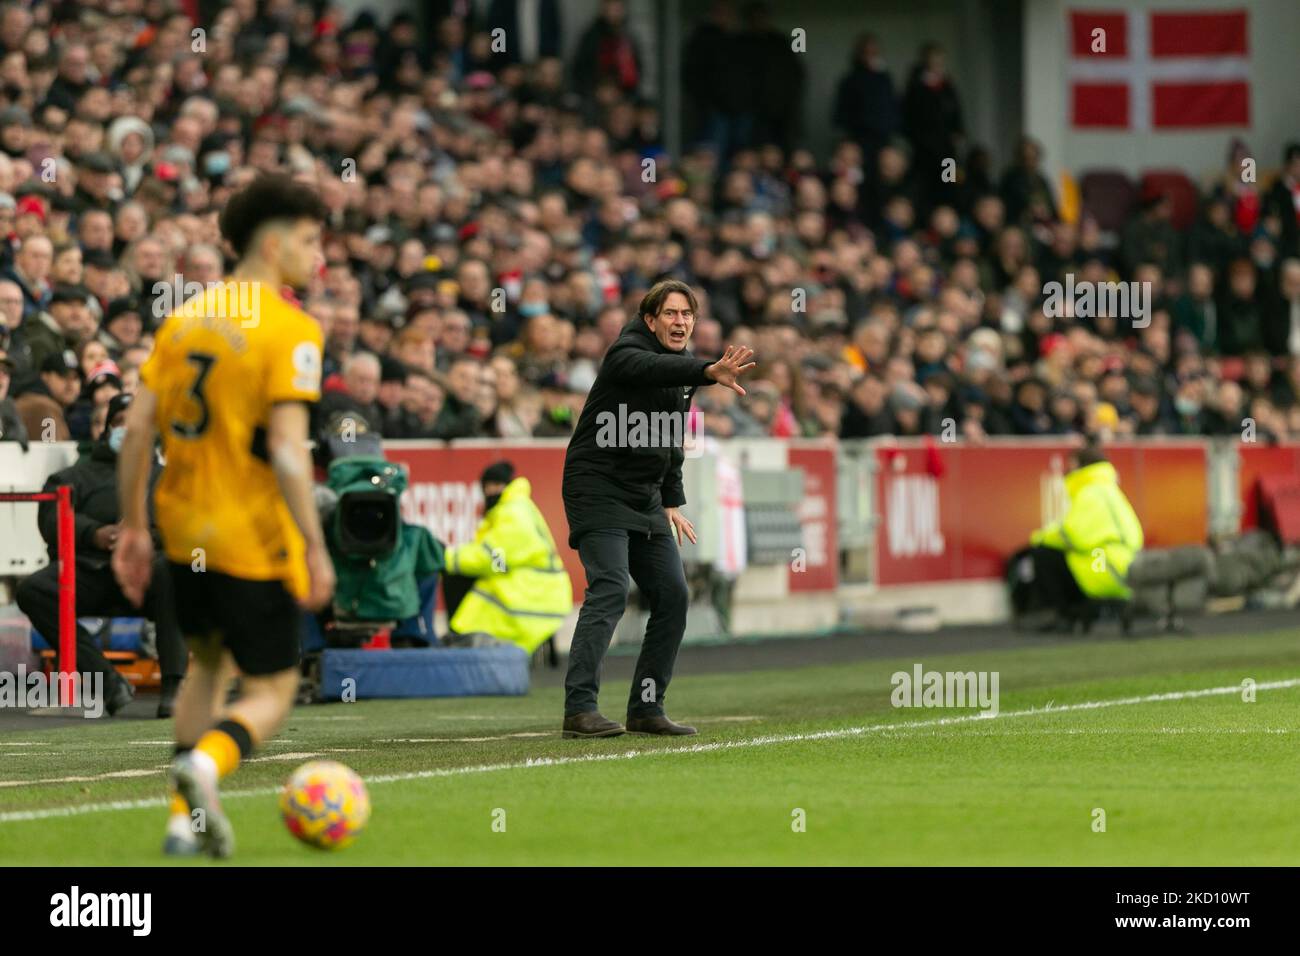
203, 363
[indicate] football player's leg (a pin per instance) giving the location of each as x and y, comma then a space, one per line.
198, 702
203, 693
218, 751
264, 702
260, 624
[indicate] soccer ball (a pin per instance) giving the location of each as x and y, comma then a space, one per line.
325, 805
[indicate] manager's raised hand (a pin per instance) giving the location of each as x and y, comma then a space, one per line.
733, 364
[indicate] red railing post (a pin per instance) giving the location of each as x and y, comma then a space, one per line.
67, 538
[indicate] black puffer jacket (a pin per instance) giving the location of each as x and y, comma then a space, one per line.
94, 504
608, 484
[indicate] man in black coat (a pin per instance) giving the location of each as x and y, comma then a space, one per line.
866, 106
622, 491
546, 37
95, 503
1283, 201
932, 121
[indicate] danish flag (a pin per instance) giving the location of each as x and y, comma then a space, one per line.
1159, 69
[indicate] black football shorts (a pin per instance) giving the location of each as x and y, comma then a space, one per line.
258, 621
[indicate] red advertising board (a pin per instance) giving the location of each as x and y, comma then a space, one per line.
955, 513
444, 496
818, 516
1254, 462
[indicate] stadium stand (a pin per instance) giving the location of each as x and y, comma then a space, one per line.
489, 227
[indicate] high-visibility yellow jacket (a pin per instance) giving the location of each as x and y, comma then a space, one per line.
1100, 534
523, 592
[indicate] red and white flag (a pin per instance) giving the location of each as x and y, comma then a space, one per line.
1164, 69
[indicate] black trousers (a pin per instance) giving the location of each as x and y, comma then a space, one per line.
1041, 579
98, 595
613, 559
455, 587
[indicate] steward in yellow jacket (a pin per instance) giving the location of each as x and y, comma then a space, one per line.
1100, 534
521, 591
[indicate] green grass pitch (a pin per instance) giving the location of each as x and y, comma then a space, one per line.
1182, 778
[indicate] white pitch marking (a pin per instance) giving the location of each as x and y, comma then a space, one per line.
278, 742
503, 718
47, 813
288, 756
30, 754
461, 740
99, 776
1093, 731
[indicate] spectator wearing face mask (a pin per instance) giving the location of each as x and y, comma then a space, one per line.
1189, 407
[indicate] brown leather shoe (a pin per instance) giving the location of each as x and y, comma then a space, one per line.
659, 726
591, 724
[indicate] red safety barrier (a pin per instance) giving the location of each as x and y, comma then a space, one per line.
67, 548
1279, 498
1256, 461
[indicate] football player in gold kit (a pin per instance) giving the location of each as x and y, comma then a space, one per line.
227, 390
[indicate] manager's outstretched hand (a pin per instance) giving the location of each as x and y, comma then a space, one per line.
731, 366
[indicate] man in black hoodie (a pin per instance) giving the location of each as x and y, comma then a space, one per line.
98, 520
622, 491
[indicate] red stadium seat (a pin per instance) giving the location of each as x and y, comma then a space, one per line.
1181, 190
1109, 196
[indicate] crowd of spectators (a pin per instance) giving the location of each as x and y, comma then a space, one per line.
494, 216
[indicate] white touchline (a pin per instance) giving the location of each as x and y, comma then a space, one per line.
111, 775
46, 813
328, 717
